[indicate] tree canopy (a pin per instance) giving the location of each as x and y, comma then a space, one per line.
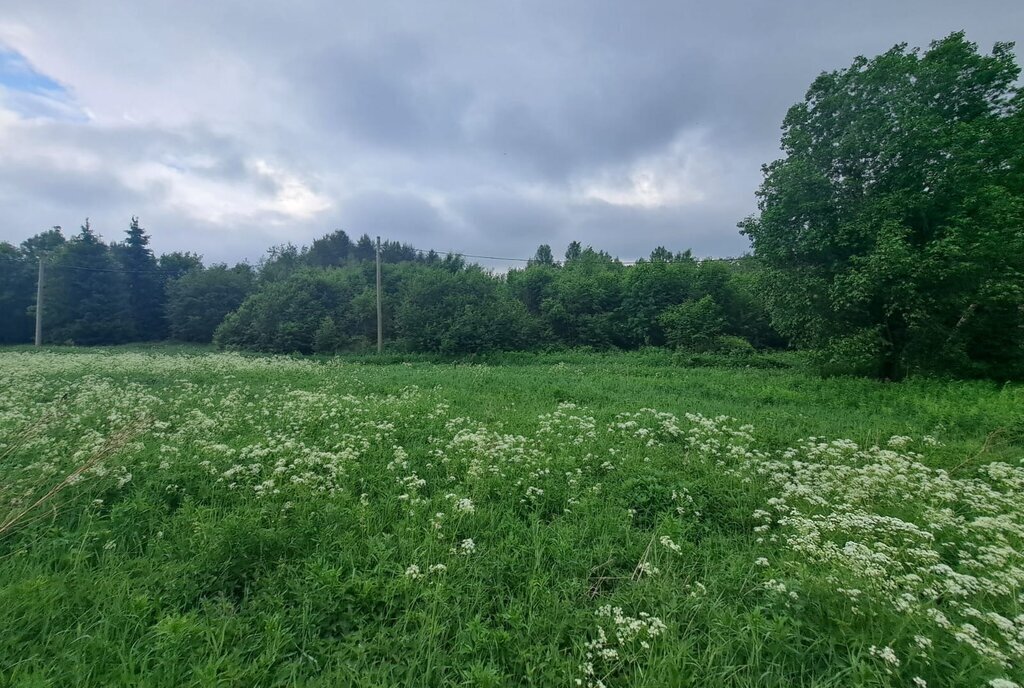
892, 228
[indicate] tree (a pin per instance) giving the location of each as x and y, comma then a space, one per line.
661, 254
365, 249
17, 297
892, 227
332, 249
648, 289
174, 265
573, 251
532, 285
543, 256
280, 262
286, 316
583, 303
144, 284
198, 301
43, 244
18, 273
87, 295
396, 252
330, 338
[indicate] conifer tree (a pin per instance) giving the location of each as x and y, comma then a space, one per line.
87, 295
144, 284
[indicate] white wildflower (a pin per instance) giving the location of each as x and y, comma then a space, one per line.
668, 543
886, 654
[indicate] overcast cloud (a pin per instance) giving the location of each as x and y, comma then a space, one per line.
482, 127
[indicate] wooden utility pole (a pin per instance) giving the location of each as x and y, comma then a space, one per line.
39, 304
380, 322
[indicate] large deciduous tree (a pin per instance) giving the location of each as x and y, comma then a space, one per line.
893, 228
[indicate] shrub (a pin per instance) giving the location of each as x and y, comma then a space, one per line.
694, 325
198, 301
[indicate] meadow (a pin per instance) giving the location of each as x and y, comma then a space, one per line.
182, 517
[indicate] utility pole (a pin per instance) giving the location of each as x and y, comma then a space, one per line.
39, 304
380, 322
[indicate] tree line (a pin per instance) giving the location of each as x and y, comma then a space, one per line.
322, 298
889, 240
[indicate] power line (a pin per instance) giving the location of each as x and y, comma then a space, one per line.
58, 266
469, 255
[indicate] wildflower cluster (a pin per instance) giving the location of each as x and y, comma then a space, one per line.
566, 425
621, 641
881, 527
650, 426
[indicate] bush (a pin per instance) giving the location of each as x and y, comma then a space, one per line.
329, 338
862, 353
733, 346
694, 325
462, 312
286, 316
199, 300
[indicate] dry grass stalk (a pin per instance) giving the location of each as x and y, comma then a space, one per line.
112, 444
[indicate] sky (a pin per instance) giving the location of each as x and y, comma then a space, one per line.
473, 126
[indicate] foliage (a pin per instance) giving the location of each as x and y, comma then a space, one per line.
543, 256
17, 302
462, 312
18, 273
285, 316
582, 306
144, 284
649, 288
895, 218
694, 325
329, 338
322, 298
174, 265
331, 250
440, 305
86, 294
198, 301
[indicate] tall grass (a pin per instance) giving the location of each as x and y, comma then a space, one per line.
564, 519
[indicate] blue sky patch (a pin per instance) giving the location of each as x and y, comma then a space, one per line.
32, 94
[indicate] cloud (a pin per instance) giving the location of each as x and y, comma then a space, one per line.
402, 216
484, 128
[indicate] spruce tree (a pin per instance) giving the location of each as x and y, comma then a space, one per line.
144, 284
87, 296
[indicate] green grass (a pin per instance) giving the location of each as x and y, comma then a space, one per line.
173, 562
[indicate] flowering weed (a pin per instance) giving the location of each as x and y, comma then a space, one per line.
194, 519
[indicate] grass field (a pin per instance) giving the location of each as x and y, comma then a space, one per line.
176, 517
